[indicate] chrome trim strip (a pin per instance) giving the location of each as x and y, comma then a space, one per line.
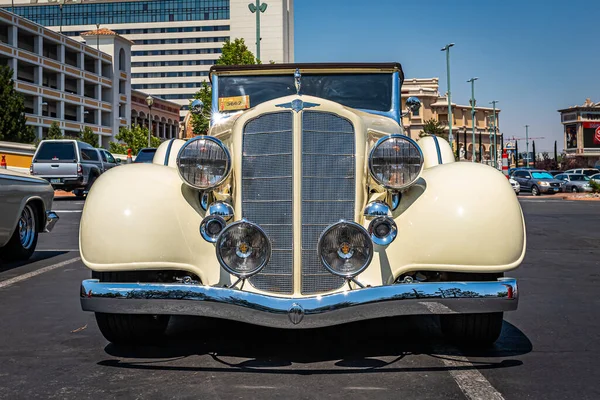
168, 154
318, 311
437, 147
51, 220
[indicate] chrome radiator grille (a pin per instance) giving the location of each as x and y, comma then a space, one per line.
328, 189
267, 162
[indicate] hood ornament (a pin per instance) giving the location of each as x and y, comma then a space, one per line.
297, 77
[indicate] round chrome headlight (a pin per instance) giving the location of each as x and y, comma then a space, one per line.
345, 249
243, 249
204, 162
396, 162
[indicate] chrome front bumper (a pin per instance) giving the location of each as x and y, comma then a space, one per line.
305, 312
51, 220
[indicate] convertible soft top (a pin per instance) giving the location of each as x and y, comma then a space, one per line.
306, 67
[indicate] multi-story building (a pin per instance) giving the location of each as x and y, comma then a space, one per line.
66, 82
175, 41
435, 106
582, 132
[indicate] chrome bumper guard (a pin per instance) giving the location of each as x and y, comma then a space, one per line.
306, 312
51, 220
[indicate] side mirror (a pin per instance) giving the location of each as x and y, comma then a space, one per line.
119, 161
413, 104
197, 107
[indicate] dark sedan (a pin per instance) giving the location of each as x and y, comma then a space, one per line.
537, 181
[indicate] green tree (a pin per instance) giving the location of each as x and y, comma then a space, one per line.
236, 53
88, 136
199, 122
233, 53
433, 127
54, 132
13, 126
134, 138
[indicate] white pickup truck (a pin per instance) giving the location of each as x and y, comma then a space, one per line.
70, 165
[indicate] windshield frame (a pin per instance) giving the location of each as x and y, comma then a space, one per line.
394, 112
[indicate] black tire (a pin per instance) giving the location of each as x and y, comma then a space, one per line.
91, 181
535, 191
129, 329
24, 239
78, 193
132, 329
477, 330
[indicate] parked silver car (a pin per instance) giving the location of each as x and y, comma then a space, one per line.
70, 165
595, 177
25, 211
584, 171
536, 181
515, 185
575, 182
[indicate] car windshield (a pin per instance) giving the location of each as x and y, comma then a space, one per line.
579, 178
145, 156
56, 151
362, 91
541, 175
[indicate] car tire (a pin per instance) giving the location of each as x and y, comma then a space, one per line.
535, 191
478, 330
128, 329
91, 181
574, 189
517, 192
78, 193
24, 239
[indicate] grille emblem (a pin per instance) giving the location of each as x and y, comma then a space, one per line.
296, 313
297, 105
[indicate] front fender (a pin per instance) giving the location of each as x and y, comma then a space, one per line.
461, 217
142, 216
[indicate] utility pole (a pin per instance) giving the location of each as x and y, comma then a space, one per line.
450, 115
257, 9
472, 80
527, 145
495, 134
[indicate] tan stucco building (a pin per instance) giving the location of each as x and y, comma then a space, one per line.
582, 132
435, 106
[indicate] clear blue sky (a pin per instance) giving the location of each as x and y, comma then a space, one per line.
534, 56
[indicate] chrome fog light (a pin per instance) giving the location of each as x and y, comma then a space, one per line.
383, 231
345, 249
211, 227
243, 249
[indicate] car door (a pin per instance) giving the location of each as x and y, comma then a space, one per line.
111, 161
520, 176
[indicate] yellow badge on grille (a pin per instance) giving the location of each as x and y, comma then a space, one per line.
234, 103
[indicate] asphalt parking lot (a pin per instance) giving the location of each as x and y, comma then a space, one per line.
548, 349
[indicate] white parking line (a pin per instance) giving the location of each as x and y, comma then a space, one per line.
468, 378
28, 275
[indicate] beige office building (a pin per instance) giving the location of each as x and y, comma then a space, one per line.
66, 82
581, 124
175, 41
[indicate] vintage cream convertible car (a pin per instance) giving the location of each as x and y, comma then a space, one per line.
307, 205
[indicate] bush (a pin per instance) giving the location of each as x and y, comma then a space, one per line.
134, 138
595, 186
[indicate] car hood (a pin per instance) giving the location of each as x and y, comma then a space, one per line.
22, 176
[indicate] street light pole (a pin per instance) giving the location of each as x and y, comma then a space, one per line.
527, 145
149, 102
493, 102
450, 116
472, 80
98, 38
257, 9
